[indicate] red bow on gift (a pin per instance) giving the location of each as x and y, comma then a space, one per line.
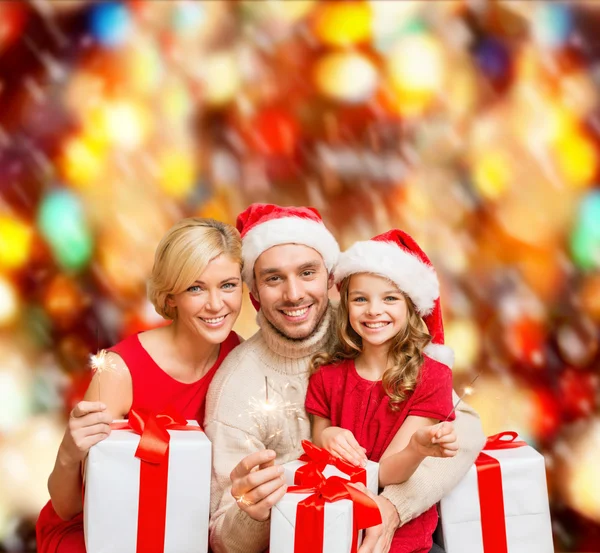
491, 496
153, 452
310, 514
317, 458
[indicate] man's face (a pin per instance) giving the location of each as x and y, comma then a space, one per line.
291, 283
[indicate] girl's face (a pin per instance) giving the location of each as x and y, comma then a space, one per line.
377, 309
211, 305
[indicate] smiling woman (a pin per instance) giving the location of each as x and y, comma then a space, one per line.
195, 283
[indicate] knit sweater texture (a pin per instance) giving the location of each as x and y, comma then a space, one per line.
238, 424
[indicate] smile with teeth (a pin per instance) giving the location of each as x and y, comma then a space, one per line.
376, 325
296, 312
214, 321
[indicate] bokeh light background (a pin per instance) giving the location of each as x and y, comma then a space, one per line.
473, 125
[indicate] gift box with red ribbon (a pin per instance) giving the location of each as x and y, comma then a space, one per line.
501, 505
147, 487
321, 511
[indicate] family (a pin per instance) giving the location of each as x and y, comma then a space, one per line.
368, 378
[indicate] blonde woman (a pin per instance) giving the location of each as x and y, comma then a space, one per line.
196, 283
382, 394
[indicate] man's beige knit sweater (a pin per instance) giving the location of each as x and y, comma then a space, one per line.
237, 425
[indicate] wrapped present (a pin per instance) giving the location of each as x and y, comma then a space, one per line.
147, 487
323, 514
501, 505
319, 459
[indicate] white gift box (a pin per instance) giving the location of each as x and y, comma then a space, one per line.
525, 496
112, 486
338, 517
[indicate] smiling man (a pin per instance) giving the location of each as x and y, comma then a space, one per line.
255, 415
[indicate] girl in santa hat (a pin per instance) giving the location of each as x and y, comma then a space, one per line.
385, 394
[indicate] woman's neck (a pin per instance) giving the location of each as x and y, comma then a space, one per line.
373, 361
193, 354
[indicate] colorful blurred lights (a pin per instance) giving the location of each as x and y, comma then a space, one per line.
128, 124
82, 162
416, 70
581, 485
552, 23
177, 173
346, 76
188, 16
577, 159
15, 242
585, 240
9, 303
343, 23
110, 23
491, 174
221, 78
62, 223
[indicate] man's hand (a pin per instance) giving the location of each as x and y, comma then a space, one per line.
257, 484
378, 539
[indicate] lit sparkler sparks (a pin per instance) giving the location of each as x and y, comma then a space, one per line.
467, 391
100, 363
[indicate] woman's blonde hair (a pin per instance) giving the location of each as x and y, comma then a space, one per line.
406, 351
183, 254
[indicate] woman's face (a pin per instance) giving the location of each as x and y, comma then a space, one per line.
211, 305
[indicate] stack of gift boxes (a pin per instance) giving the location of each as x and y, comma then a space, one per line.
147, 490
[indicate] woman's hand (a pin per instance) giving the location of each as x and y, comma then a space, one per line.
89, 423
341, 442
438, 440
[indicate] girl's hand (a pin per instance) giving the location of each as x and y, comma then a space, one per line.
89, 423
438, 440
342, 443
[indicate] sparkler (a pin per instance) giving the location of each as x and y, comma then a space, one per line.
467, 391
270, 412
266, 405
99, 364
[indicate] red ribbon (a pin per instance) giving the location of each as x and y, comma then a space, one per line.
310, 514
153, 452
317, 458
491, 496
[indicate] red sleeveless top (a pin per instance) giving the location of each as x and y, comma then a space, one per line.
153, 390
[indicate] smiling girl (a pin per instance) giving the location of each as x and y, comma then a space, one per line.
382, 394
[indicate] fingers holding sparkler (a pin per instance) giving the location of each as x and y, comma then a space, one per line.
444, 437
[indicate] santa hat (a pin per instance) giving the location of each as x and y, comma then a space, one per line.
263, 226
396, 256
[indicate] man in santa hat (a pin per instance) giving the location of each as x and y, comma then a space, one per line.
255, 415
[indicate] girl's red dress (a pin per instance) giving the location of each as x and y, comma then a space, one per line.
338, 393
153, 390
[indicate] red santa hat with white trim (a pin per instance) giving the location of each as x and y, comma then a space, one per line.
264, 226
396, 256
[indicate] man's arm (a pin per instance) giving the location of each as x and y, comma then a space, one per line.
234, 437
231, 529
435, 477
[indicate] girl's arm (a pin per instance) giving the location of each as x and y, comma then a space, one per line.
109, 396
417, 438
317, 425
336, 440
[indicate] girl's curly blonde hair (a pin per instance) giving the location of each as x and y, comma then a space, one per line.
406, 350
